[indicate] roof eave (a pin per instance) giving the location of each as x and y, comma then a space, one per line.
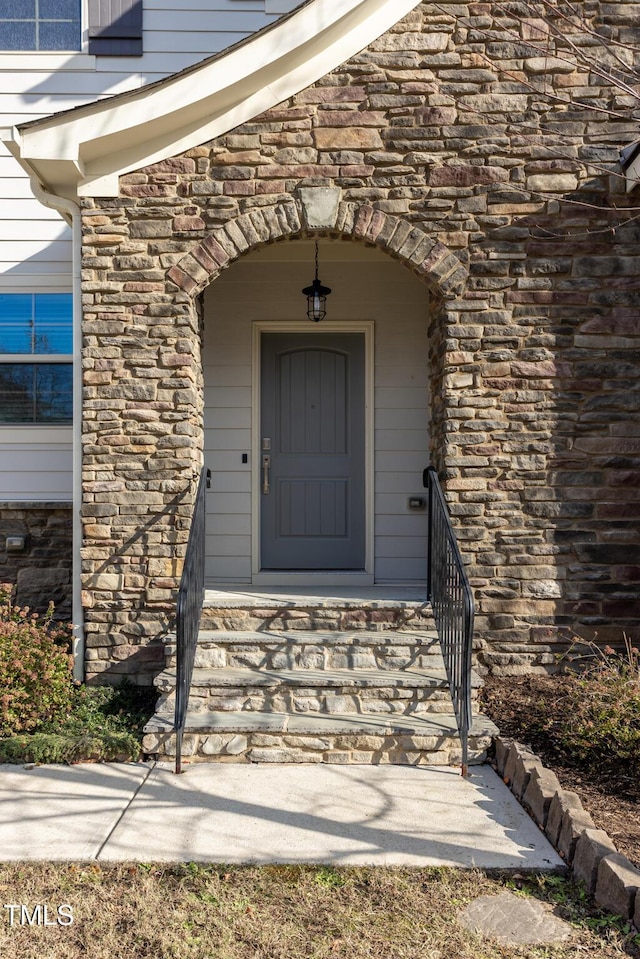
83, 152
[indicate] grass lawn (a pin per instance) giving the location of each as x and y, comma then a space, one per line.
194, 911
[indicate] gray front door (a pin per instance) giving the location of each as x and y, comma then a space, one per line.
312, 451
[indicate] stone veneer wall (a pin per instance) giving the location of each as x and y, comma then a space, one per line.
41, 572
450, 128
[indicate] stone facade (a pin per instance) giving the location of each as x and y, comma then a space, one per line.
489, 171
39, 564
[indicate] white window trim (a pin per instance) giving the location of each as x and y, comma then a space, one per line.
6, 358
53, 434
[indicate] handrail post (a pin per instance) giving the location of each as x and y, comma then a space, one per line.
188, 613
428, 486
451, 598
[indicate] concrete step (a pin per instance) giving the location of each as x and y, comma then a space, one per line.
283, 737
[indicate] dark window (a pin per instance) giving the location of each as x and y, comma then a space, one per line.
34, 325
40, 25
36, 392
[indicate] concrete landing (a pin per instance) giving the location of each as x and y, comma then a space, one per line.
374, 597
356, 815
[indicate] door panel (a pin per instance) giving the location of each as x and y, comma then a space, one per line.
313, 514
312, 507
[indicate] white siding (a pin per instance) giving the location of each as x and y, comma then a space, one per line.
281, 6
176, 35
227, 377
367, 285
35, 243
37, 467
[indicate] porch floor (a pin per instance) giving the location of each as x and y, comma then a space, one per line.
394, 596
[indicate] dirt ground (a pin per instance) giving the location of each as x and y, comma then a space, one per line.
518, 707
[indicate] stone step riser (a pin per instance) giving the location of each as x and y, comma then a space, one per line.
346, 750
285, 699
271, 656
316, 619
246, 717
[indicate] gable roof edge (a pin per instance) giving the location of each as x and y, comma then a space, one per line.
83, 152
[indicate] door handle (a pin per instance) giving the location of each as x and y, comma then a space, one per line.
266, 466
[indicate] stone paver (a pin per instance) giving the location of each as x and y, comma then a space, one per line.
592, 846
617, 885
514, 921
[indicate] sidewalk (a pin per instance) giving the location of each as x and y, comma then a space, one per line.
346, 815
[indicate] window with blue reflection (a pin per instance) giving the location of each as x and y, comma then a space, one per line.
32, 325
40, 25
53, 323
16, 323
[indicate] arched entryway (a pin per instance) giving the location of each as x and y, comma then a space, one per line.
367, 524
316, 435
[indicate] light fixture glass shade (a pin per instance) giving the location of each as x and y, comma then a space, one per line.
316, 295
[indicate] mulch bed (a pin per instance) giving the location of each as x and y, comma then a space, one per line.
518, 705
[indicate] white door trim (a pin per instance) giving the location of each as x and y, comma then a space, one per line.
306, 578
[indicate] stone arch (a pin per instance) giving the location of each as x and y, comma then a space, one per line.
441, 270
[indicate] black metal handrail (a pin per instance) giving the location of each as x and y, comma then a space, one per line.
453, 608
188, 613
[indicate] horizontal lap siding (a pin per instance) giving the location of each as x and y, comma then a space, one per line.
227, 378
35, 469
175, 36
402, 444
369, 287
35, 243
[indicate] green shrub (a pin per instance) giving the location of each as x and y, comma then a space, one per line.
62, 748
36, 682
102, 710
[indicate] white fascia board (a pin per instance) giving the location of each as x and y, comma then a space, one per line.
83, 152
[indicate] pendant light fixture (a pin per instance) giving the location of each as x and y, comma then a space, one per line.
316, 295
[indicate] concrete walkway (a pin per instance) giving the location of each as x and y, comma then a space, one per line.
355, 815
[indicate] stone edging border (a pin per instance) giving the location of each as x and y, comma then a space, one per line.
609, 877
